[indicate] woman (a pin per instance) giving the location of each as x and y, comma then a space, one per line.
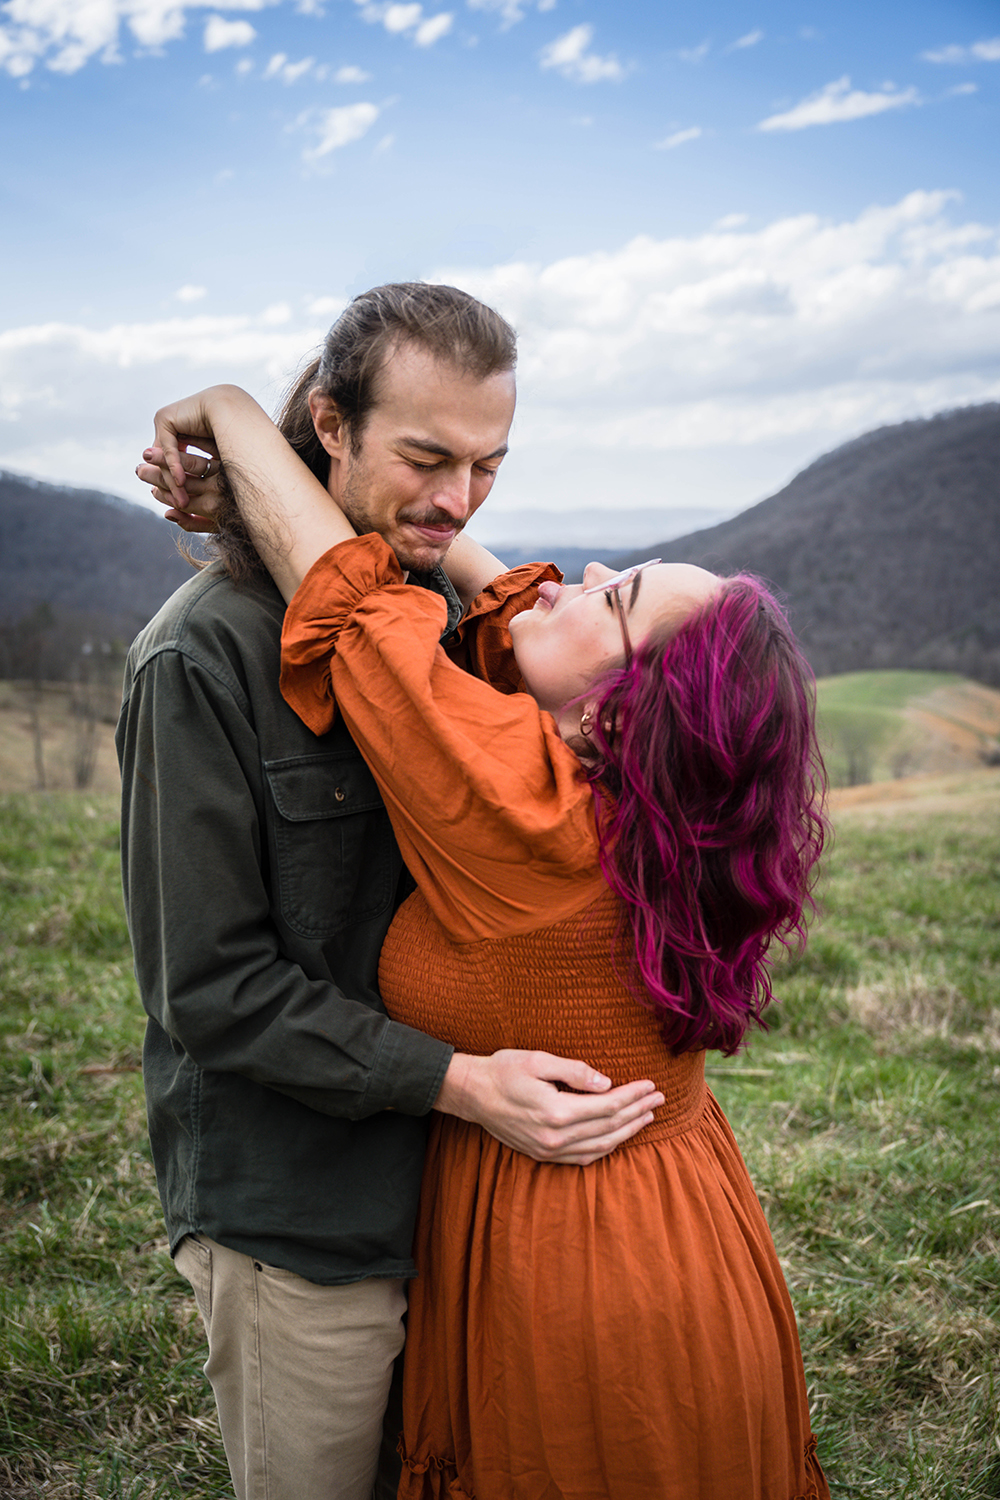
601, 862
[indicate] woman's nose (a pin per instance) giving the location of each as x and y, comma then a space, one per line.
595, 573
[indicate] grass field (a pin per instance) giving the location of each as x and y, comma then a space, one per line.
877, 726
869, 1116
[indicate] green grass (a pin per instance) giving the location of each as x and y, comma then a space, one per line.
869, 1116
884, 690
861, 725
101, 1392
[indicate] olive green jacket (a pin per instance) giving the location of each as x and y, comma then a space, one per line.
261, 875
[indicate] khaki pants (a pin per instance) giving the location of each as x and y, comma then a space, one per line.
300, 1372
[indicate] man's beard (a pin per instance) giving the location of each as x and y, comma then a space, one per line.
365, 518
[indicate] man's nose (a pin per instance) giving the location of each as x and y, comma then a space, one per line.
453, 495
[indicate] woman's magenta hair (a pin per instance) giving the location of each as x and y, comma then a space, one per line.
710, 788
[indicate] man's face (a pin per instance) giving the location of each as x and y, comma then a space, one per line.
427, 456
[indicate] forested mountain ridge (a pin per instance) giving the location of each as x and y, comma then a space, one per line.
76, 567
887, 549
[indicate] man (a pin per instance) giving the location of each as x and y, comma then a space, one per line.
286, 1110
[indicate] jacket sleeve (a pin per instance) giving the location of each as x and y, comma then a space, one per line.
494, 820
207, 955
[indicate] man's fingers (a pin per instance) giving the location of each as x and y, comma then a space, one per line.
609, 1109
585, 1155
583, 1138
575, 1075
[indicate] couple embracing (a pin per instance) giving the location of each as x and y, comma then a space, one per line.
433, 941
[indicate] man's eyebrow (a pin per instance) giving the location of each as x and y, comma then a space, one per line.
424, 445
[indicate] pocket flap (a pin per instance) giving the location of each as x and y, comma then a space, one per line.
321, 786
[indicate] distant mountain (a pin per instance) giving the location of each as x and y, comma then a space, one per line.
79, 568
887, 549
527, 534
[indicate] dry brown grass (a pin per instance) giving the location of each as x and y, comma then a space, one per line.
20, 702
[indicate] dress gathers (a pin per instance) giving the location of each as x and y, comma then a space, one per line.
614, 1332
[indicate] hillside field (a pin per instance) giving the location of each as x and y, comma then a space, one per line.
874, 726
888, 726
869, 1116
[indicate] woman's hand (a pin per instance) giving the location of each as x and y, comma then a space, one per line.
184, 481
292, 519
197, 512
204, 420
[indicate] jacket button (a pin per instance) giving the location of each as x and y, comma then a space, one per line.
340, 794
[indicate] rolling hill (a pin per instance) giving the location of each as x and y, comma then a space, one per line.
76, 566
887, 549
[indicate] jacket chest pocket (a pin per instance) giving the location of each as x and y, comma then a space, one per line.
333, 843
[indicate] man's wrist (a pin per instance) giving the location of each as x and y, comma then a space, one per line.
458, 1090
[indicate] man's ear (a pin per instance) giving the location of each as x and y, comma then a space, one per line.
329, 424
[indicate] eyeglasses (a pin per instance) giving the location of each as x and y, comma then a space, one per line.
611, 588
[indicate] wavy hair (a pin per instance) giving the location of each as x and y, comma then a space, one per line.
444, 321
710, 788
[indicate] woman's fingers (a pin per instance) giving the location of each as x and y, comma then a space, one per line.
194, 508
188, 521
176, 428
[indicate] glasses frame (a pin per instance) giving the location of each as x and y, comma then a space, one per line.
611, 588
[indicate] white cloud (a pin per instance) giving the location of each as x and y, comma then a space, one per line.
351, 75
431, 30
986, 51
66, 34
220, 33
750, 40
694, 54
838, 102
46, 370
679, 137
325, 307
510, 11
731, 221
708, 367
289, 72
337, 127
568, 54
399, 19
191, 293
788, 339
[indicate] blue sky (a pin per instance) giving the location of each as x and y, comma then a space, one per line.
731, 236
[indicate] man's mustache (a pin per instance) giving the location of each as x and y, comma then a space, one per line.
432, 518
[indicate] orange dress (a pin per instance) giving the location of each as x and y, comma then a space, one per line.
614, 1332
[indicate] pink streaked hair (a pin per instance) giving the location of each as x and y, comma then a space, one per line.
710, 788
